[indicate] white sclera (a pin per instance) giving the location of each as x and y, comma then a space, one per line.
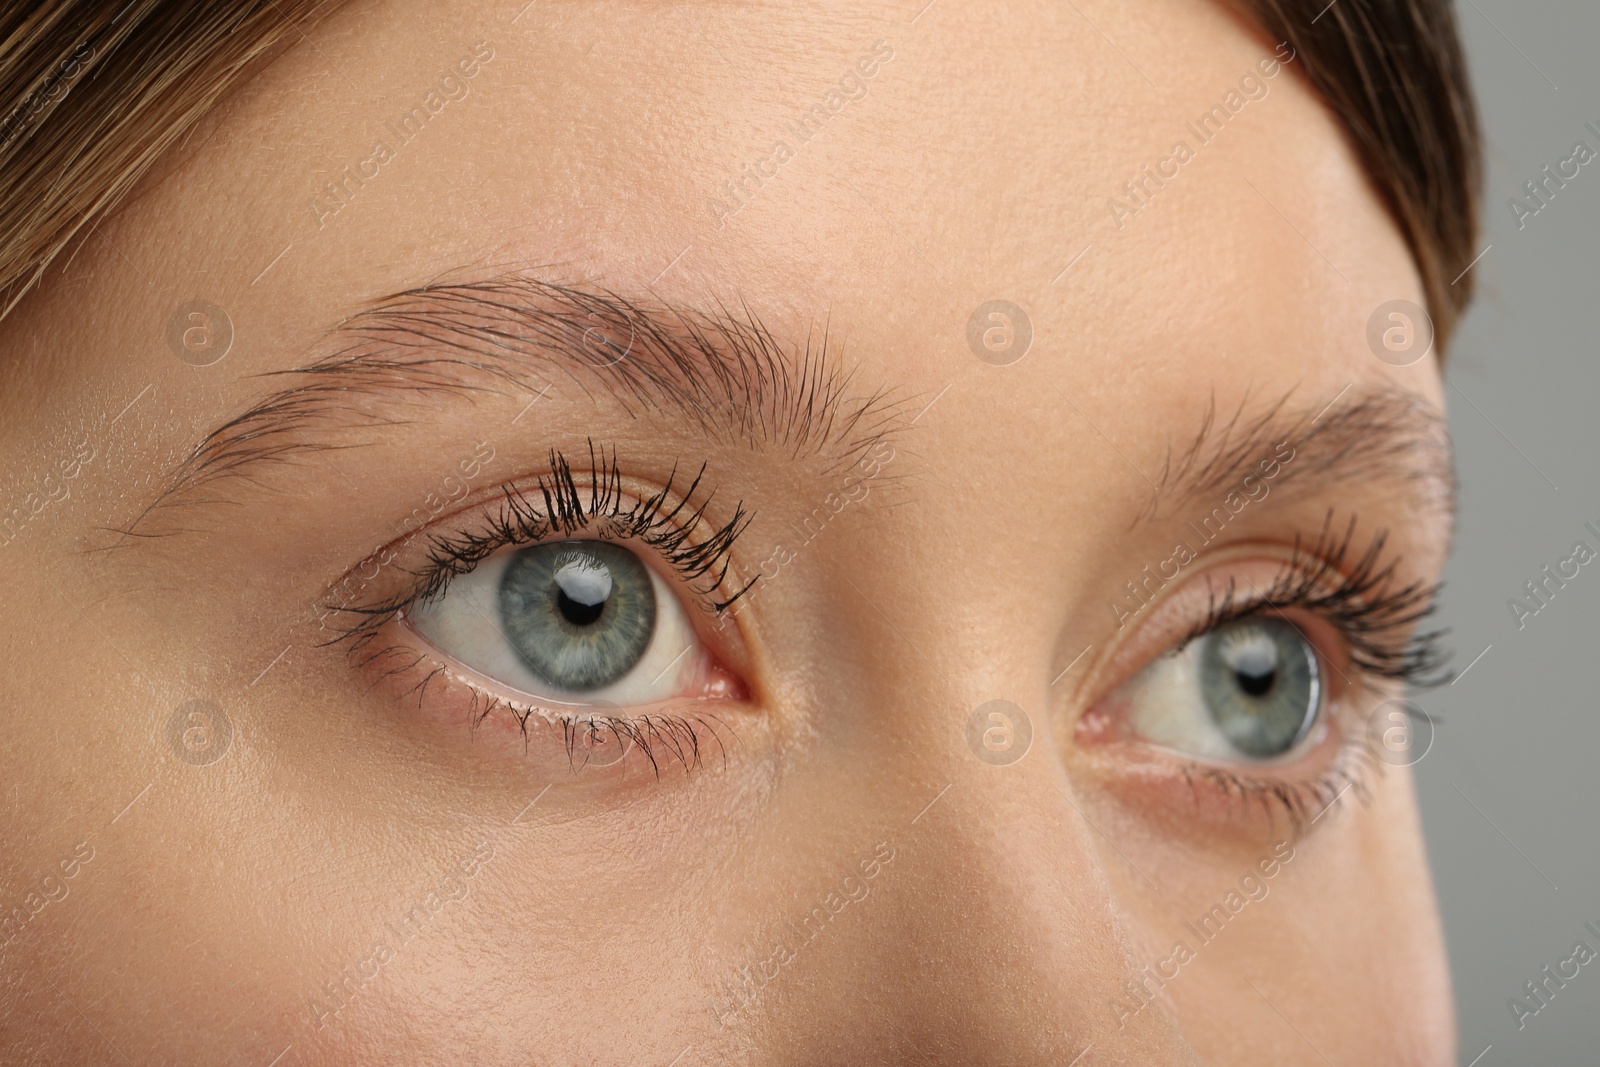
465, 624
1166, 707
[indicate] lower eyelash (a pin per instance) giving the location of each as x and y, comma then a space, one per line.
659, 737
676, 735
1301, 803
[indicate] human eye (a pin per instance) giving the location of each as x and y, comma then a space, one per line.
1258, 700
572, 622
1250, 690
567, 607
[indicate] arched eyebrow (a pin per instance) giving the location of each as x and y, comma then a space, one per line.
1383, 436
719, 370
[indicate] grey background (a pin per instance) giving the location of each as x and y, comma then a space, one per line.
1519, 874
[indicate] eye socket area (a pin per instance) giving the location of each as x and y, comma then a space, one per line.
568, 626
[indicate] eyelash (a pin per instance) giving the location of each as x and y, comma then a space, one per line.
1371, 614
1299, 802
556, 504
1361, 602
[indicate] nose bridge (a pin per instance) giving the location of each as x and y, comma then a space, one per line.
976, 925
1000, 939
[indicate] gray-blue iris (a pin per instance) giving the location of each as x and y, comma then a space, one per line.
1260, 683
579, 613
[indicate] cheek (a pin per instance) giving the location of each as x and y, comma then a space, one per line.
1357, 890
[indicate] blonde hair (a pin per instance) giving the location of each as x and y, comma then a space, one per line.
92, 93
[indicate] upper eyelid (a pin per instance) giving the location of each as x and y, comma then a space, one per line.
1410, 662
1368, 597
463, 543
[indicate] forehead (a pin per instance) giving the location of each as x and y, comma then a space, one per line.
1160, 208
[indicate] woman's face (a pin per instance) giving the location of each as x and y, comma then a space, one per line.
374, 692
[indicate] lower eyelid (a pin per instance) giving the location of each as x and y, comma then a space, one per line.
1205, 798
544, 740
1231, 797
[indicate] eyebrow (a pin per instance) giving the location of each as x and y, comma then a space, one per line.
1383, 436
721, 371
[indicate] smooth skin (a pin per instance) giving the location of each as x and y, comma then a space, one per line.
608, 911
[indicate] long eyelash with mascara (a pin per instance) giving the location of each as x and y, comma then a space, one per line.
555, 505
1375, 616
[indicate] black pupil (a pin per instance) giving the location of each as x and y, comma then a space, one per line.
577, 612
1256, 684
580, 614
1260, 685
